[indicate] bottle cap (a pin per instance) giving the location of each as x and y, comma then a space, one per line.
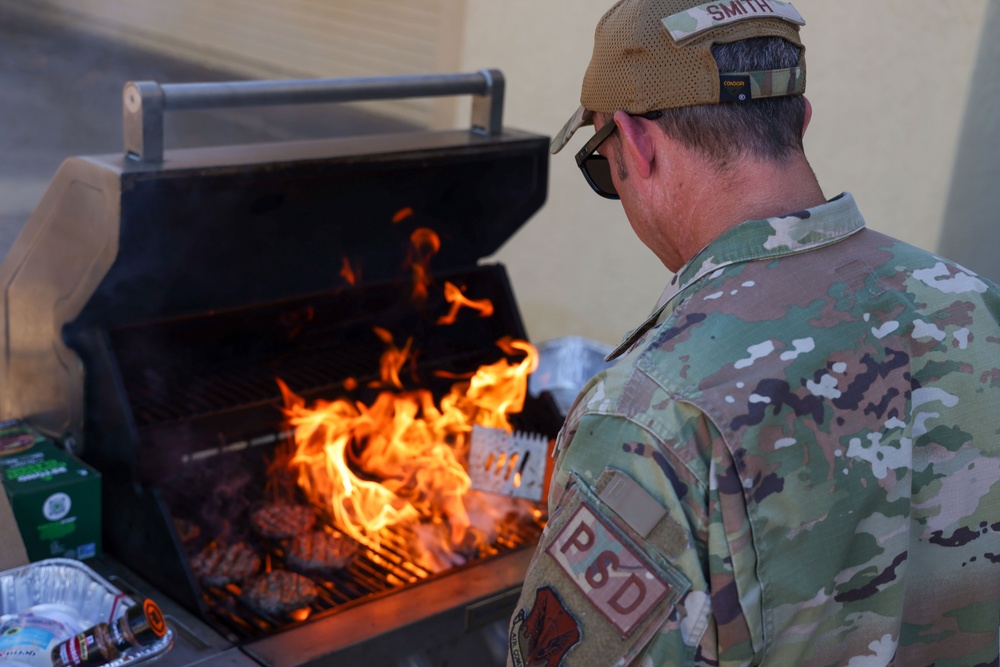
144, 622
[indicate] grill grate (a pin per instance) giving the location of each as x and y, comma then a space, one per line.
375, 571
191, 367
215, 496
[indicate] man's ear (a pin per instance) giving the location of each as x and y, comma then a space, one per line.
636, 142
809, 115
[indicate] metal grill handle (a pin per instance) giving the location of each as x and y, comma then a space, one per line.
144, 102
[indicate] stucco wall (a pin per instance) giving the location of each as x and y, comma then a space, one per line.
889, 82
969, 233
288, 39
896, 121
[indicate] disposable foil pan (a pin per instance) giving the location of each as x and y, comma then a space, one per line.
63, 581
564, 367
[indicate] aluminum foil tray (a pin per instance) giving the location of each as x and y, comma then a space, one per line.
70, 582
565, 365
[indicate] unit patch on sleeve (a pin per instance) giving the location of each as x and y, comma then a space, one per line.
543, 636
608, 572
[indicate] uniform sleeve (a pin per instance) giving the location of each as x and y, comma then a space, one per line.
635, 555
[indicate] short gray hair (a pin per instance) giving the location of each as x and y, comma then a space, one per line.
765, 129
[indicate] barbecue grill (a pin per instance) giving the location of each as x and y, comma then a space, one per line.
154, 297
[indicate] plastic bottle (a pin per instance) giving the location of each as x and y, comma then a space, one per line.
142, 625
27, 638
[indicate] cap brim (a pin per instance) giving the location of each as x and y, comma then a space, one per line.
577, 120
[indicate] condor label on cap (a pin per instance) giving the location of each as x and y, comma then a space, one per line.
711, 15
734, 88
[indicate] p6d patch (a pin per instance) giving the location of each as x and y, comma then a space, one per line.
609, 573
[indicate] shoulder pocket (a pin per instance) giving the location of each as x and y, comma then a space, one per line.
593, 578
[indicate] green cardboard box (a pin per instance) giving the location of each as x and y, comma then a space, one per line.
55, 497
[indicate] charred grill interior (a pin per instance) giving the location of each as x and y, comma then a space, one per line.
155, 300
203, 398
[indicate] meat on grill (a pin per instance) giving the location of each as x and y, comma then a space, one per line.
280, 592
220, 565
318, 550
281, 520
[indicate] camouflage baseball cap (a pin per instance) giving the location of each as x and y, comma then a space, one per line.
656, 54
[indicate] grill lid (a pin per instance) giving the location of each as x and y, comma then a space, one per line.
117, 240
232, 227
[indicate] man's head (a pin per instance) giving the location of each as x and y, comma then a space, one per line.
724, 78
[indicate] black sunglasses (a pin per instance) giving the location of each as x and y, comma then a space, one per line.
595, 167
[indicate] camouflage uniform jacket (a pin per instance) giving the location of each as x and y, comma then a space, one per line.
795, 461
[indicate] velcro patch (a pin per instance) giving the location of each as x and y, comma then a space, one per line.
711, 15
746, 86
544, 635
609, 573
641, 511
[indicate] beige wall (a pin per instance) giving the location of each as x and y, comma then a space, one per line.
888, 81
969, 233
288, 38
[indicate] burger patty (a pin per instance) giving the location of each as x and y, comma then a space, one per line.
219, 565
318, 550
280, 592
279, 521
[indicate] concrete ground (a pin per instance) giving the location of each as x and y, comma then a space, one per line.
61, 97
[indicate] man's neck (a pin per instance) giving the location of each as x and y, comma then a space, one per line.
709, 202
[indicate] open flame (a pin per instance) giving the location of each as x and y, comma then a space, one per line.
458, 300
400, 462
424, 244
402, 214
393, 360
348, 273
398, 467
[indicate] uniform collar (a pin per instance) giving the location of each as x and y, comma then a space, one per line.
796, 232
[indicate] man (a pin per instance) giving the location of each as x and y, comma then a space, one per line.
794, 460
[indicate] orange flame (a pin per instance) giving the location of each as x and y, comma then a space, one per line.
424, 244
393, 360
496, 390
402, 214
454, 296
399, 463
300, 614
322, 433
348, 273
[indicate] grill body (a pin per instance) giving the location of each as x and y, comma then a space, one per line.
149, 305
